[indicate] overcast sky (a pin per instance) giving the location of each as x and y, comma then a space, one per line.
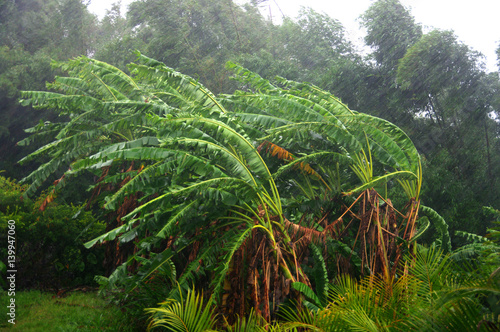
476, 23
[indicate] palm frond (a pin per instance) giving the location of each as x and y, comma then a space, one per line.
189, 315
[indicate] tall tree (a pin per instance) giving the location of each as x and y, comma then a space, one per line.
441, 75
452, 100
198, 37
498, 56
317, 46
316, 40
391, 30
32, 33
116, 38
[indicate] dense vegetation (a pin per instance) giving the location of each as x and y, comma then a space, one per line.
361, 194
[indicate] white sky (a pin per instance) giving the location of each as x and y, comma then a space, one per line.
476, 23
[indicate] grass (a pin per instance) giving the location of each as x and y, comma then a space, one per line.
78, 311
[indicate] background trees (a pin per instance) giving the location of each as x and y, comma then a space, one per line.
444, 82
431, 86
32, 34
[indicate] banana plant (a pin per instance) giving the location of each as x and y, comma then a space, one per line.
192, 171
306, 118
182, 173
351, 152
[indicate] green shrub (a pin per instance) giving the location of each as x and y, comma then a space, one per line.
49, 243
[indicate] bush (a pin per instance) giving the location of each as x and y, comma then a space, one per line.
49, 243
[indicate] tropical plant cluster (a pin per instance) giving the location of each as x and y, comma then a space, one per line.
430, 296
270, 166
431, 85
255, 197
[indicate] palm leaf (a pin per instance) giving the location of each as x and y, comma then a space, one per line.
189, 315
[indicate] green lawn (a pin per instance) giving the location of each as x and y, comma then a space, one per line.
76, 311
